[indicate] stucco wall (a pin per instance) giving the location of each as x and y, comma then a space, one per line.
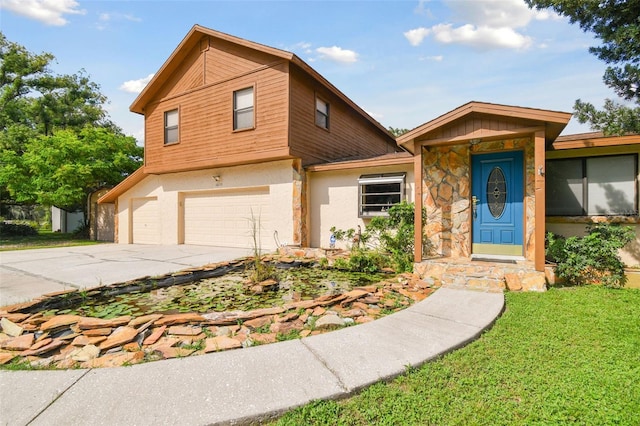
333, 200
167, 188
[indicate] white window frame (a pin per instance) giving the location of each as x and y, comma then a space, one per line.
587, 187
244, 109
371, 203
169, 128
322, 113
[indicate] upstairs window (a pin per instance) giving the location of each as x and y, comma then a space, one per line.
377, 193
592, 186
243, 116
171, 121
322, 114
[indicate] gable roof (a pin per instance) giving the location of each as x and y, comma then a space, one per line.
195, 35
128, 183
554, 121
593, 140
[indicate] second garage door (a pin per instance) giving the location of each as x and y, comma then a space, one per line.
225, 218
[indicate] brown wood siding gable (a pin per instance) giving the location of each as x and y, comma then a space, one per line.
207, 138
350, 135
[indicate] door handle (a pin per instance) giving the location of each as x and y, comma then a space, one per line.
474, 206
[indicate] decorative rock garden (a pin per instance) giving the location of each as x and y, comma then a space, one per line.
48, 332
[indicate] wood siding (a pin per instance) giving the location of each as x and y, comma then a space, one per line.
350, 136
206, 136
475, 125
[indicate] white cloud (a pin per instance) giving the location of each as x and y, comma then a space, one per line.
136, 86
49, 12
486, 24
337, 54
416, 35
481, 37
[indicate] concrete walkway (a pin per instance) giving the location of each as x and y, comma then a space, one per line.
245, 385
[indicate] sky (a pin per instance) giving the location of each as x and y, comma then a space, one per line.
404, 62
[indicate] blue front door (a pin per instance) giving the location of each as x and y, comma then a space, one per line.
497, 203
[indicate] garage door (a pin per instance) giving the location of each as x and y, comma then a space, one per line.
224, 218
145, 221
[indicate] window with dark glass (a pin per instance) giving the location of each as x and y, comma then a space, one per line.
171, 121
592, 186
322, 113
377, 193
243, 116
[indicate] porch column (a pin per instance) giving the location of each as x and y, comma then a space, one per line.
418, 179
540, 207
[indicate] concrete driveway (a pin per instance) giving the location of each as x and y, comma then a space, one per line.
25, 274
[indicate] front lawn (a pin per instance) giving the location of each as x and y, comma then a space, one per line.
567, 356
44, 239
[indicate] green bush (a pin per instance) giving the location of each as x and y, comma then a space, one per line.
386, 240
592, 258
21, 229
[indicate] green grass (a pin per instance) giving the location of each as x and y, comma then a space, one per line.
44, 239
567, 356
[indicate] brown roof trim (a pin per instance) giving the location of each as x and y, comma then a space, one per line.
131, 180
593, 140
194, 36
382, 160
541, 115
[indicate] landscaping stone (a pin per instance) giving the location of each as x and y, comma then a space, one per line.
5, 357
54, 344
185, 330
221, 343
86, 323
20, 343
329, 321
119, 337
71, 341
10, 328
86, 353
59, 321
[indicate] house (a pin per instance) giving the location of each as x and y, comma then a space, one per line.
241, 137
230, 126
594, 178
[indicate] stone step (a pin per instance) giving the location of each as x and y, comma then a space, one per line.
473, 282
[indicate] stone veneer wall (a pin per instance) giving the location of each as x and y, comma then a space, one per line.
447, 195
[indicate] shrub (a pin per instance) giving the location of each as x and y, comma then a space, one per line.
13, 229
385, 240
592, 258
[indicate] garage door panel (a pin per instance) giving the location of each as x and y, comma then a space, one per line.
145, 221
225, 218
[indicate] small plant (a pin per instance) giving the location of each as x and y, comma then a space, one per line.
592, 258
291, 335
260, 271
386, 240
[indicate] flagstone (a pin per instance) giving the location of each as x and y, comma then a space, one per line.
155, 335
59, 321
221, 343
6, 357
10, 328
54, 344
144, 319
97, 332
185, 330
119, 337
180, 319
85, 353
86, 323
20, 343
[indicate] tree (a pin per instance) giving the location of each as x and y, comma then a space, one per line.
65, 168
617, 24
57, 144
397, 131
